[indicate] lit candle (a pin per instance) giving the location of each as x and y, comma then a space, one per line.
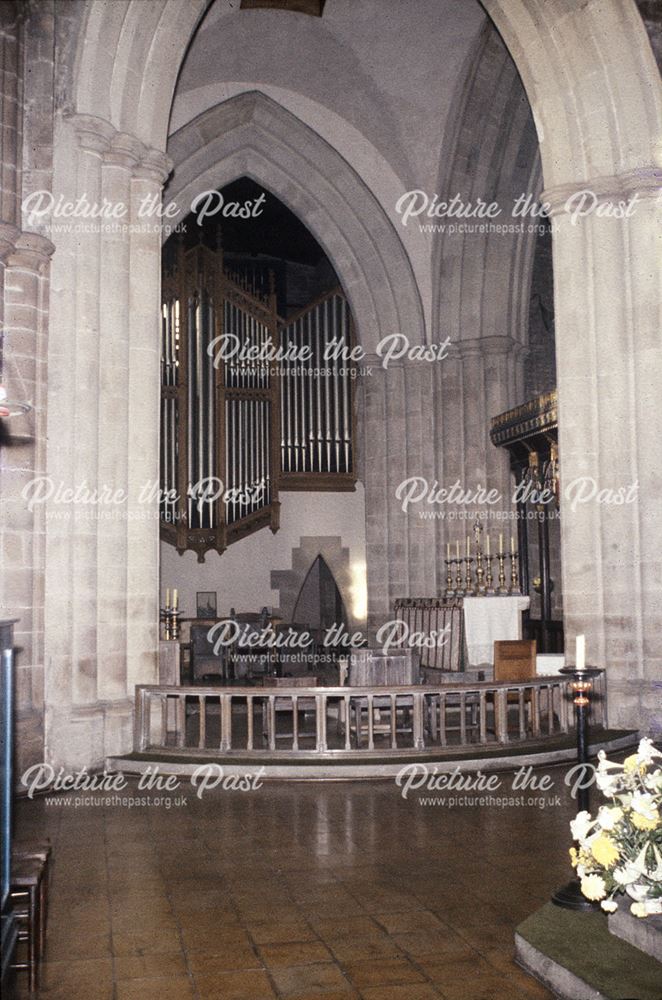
500, 543
448, 551
174, 599
487, 545
468, 544
512, 545
580, 652
168, 597
457, 549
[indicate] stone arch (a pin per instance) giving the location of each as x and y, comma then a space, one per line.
127, 60
593, 86
589, 73
482, 281
251, 135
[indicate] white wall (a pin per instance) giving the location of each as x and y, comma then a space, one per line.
241, 576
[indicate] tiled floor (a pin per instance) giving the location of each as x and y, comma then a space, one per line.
295, 890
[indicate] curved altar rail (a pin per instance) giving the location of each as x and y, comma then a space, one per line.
304, 722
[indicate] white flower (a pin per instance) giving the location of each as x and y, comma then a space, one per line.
637, 892
653, 781
607, 783
656, 873
606, 765
581, 824
609, 905
647, 751
593, 887
646, 908
627, 874
608, 816
644, 804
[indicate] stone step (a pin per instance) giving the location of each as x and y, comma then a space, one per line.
645, 933
574, 955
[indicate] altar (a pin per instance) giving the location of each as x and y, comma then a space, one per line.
487, 619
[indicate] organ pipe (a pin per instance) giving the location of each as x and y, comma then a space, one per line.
236, 424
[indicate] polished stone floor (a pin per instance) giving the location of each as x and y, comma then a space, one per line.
295, 890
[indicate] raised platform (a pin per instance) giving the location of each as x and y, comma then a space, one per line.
340, 765
577, 958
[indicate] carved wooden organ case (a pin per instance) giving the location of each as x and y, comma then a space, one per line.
237, 426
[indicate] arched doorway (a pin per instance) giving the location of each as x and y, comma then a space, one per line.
607, 328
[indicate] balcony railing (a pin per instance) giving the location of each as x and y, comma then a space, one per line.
299, 722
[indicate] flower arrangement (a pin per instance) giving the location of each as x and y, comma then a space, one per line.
620, 851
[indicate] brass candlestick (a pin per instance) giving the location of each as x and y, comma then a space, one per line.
468, 581
480, 572
489, 589
514, 573
459, 590
170, 618
449, 578
502, 589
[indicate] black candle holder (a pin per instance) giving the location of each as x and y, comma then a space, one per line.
570, 896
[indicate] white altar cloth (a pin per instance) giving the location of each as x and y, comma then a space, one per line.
487, 619
548, 664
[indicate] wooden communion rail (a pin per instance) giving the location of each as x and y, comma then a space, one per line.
305, 722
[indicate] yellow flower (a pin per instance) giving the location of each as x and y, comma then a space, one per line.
604, 850
574, 858
593, 887
642, 822
631, 763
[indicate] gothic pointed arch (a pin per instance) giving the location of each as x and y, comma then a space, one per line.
252, 135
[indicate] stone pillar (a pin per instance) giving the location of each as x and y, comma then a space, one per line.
396, 470
11, 85
102, 559
425, 571
23, 449
113, 432
609, 358
501, 374
144, 420
375, 461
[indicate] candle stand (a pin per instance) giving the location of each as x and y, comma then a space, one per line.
581, 681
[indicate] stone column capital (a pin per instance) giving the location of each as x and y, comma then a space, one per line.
490, 346
92, 132
499, 344
31, 251
643, 182
155, 165
124, 151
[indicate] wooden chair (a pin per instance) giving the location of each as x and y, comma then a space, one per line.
515, 660
29, 897
204, 661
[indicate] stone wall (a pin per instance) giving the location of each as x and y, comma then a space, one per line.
85, 337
